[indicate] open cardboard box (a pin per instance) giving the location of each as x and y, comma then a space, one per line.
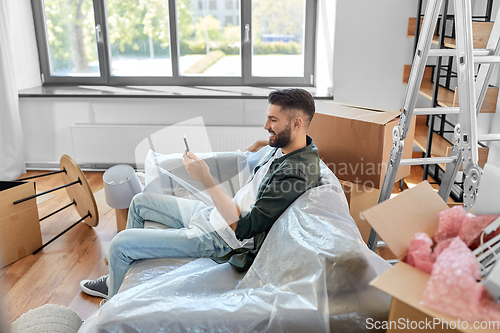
396, 221
355, 142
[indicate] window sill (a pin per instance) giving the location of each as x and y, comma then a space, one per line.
201, 92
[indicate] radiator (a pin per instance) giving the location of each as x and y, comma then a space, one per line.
104, 145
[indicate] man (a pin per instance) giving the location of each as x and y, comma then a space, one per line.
233, 231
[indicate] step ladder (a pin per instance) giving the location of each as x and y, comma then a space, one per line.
471, 96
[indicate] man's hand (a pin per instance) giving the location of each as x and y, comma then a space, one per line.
198, 169
257, 145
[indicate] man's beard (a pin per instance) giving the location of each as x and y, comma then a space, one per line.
281, 139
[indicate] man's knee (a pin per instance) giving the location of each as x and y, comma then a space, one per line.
137, 200
118, 246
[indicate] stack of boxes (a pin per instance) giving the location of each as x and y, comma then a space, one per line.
355, 143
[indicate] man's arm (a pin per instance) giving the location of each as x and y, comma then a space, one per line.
199, 170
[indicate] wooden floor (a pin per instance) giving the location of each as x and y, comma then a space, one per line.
53, 275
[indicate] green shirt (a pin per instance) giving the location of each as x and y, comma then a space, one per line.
288, 177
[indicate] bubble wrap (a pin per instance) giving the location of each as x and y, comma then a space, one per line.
440, 248
420, 253
455, 222
450, 221
453, 287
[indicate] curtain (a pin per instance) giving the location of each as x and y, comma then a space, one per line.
11, 136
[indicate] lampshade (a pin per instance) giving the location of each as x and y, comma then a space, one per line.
120, 185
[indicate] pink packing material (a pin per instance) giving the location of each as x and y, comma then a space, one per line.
440, 248
419, 253
453, 287
473, 225
450, 221
453, 222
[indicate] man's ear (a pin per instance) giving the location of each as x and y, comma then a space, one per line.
298, 122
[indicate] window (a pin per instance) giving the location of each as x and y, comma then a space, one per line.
175, 42
139, 42
72, 49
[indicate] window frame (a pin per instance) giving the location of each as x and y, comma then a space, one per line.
105, 78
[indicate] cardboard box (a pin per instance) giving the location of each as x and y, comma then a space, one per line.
356, 142
20, 233
396, 221
360, 198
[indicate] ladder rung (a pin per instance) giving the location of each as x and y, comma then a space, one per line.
488, 137
453, 52
428, 160
487, 60
435, 111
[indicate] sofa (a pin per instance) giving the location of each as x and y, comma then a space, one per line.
311, 275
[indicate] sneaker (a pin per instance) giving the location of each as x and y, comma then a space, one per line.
98, 287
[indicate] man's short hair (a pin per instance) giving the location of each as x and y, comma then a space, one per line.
293, 99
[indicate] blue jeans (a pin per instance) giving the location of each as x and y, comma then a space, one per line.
190, 235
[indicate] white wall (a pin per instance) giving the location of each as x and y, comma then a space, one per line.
371, 48
47, 121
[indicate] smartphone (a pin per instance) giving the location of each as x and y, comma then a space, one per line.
186, 143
